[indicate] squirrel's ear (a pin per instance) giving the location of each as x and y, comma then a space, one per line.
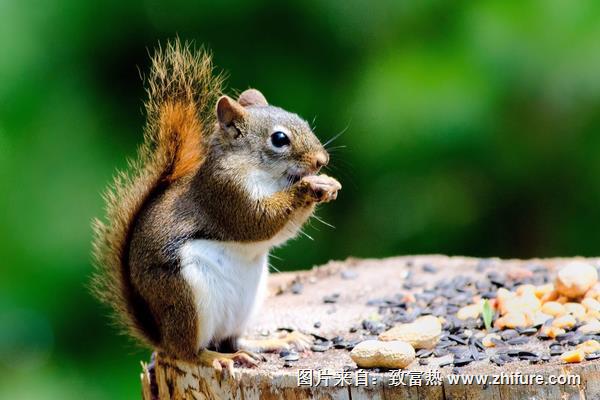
252, 97
228, 111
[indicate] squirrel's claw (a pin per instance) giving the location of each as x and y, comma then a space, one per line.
224, 361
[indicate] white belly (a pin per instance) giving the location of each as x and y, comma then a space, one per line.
228, 281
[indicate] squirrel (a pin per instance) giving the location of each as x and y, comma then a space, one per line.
182, 257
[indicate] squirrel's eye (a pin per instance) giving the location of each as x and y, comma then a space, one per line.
280, 139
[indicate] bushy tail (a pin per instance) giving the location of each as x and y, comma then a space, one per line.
182, 91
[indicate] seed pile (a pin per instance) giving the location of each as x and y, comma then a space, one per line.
536, 317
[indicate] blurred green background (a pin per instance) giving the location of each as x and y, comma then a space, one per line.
470, 128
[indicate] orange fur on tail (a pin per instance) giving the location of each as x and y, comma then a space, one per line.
180, 126
182, 92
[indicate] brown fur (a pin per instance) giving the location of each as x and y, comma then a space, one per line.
189, 183
181, 91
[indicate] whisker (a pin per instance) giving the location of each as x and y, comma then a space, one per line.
336, 136
310, 223
307, 235
330, 149
299, 229
274, 267
323, 221
275, 257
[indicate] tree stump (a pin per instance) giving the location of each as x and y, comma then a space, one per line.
333, 300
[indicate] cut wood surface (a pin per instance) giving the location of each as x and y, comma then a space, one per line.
296, 301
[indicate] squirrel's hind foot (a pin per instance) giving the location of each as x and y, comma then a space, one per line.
226, 361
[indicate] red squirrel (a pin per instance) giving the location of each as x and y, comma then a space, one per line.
182, 256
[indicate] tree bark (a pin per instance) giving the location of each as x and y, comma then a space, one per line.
297, 301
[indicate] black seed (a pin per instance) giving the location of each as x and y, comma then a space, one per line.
498, 342
374, 327
526, 357
489, 295
523, 353
439, 311
427, 298
509, 334
331, 299
375, 302
297, 288
423, 353
545, 357
284, 353
575, 339
337, 339
317, 325
349, 274
352, 344
513, 352
482, 286
457, 339
341, 345
458, 351
319, 348
440, 352
445, 364
475, 353
499, 282
423, 361
429, 268
543, 337
556, 351
447, 325
518, 340
353, 329
565, 336
506, 357
527, 331
585, 338
459, 362
498, 361
287, 365
319, 338
291, 357
479, 344
537, 325
593, 356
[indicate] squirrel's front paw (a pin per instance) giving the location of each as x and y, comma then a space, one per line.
320, 188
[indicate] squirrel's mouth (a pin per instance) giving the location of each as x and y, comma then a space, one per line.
295, 174
293, 178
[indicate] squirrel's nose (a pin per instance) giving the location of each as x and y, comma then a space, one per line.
320, 160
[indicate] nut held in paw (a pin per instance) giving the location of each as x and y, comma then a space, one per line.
424, 333
374, 353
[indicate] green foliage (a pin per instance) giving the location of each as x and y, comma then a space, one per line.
470, 128
487, 313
